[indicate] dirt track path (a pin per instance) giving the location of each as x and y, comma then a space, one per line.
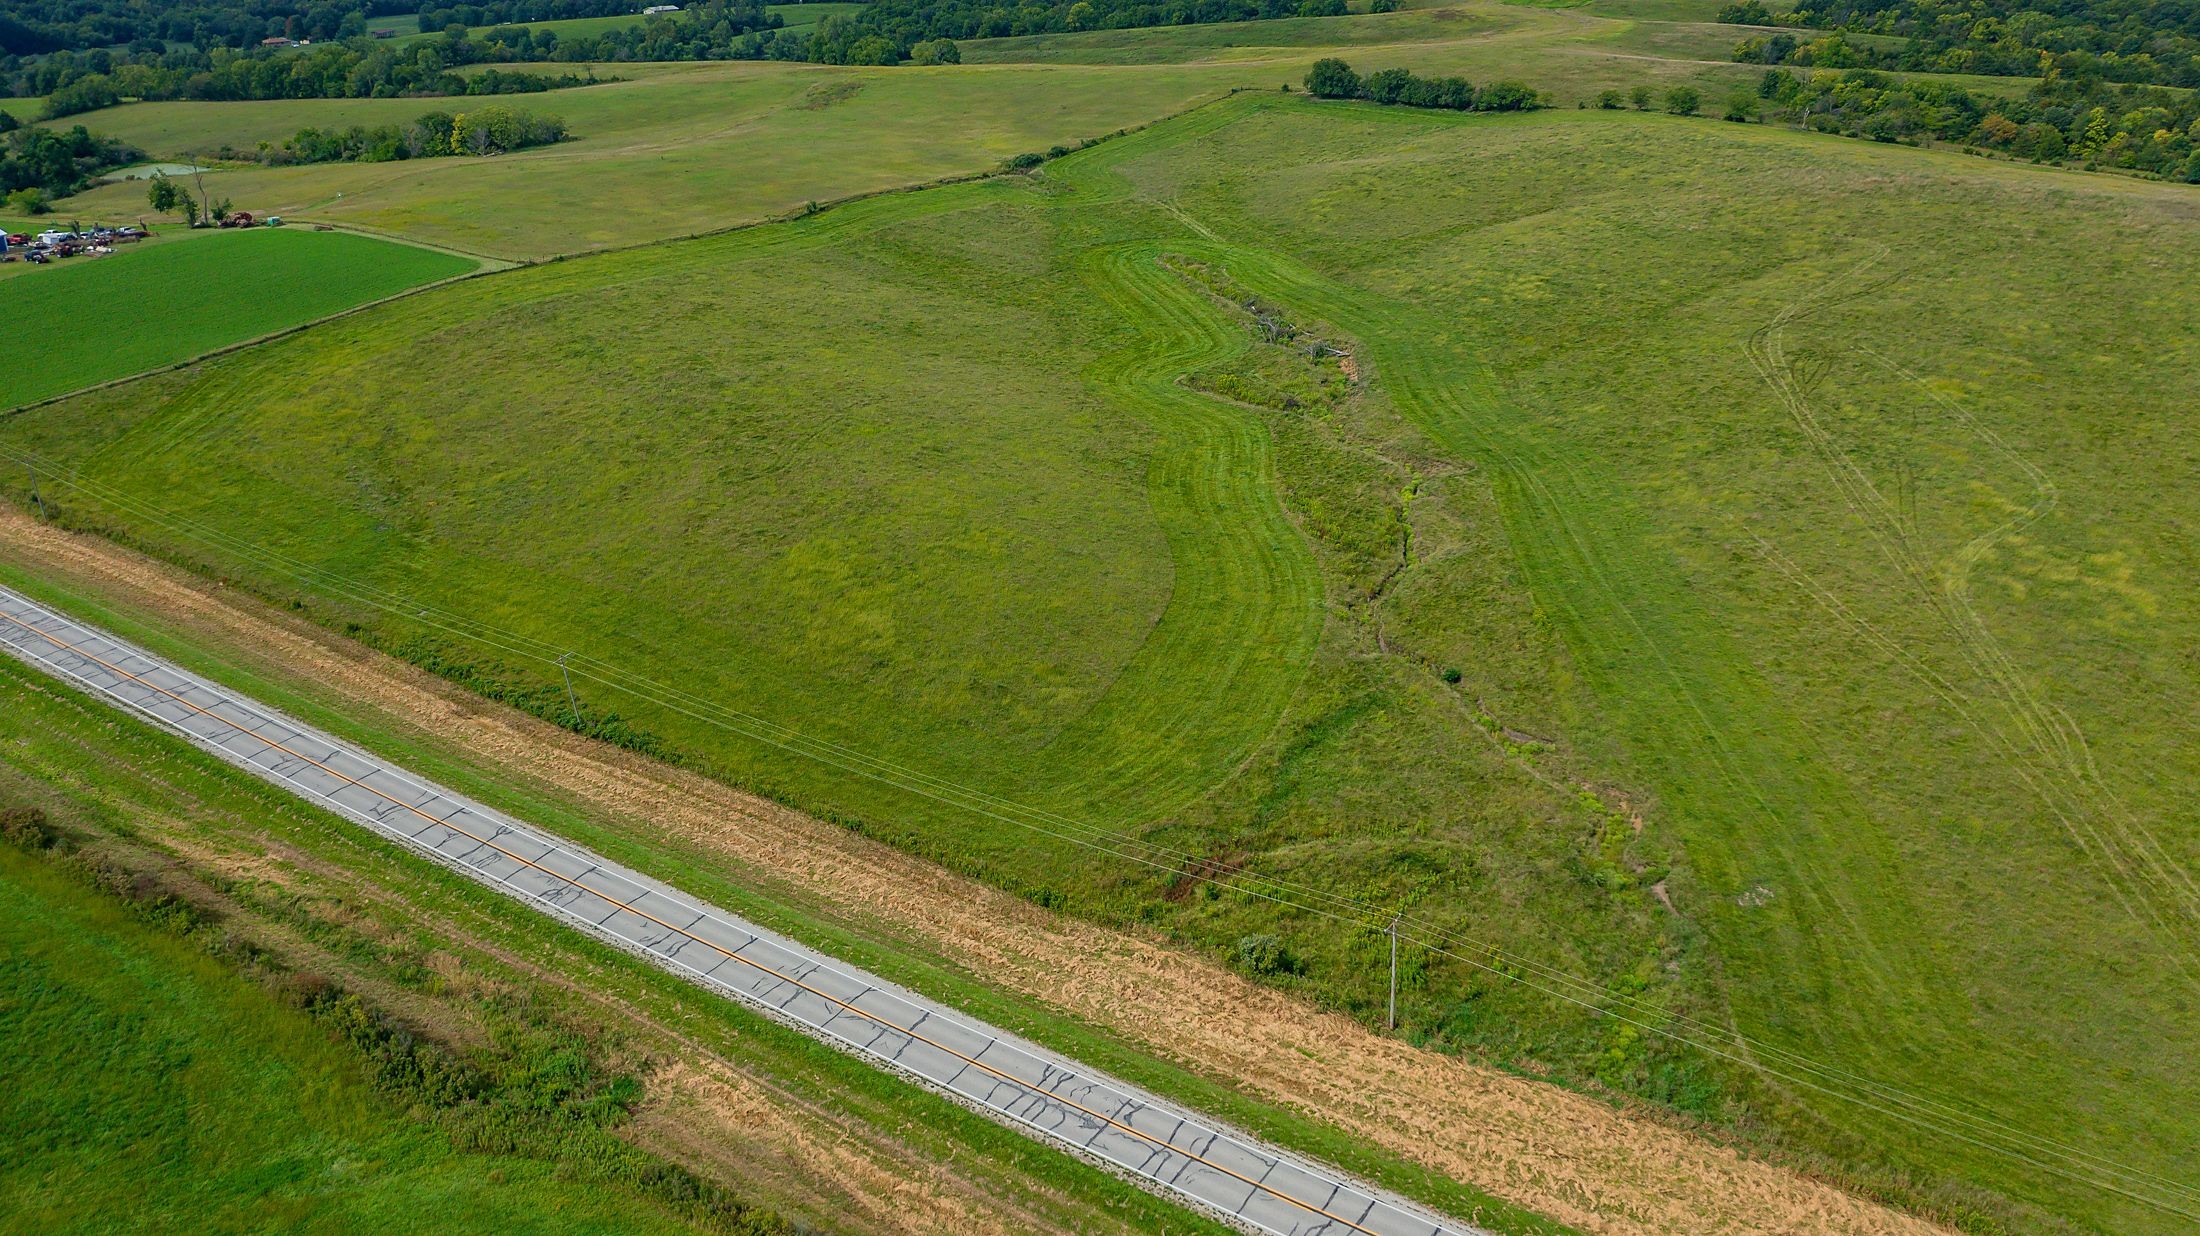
1554, 1152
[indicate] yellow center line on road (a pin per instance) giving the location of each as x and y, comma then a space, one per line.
841, 1004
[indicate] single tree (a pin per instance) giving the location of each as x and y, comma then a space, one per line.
1683, 100
1640, 97
162, 193
935, 51
1332, 79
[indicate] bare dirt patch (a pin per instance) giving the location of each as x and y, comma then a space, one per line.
1560, 1154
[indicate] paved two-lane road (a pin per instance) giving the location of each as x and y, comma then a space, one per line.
1055, 1100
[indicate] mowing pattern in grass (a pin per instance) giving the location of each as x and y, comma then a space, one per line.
1673, 554
91, 320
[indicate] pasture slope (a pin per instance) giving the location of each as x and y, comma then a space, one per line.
947, 554
1416, 1120
87, 321
682, 148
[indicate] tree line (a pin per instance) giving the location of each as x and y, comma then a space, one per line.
364, 68
909, 22
34, 27
98, 37
40, 164
2147, 129
2154, 42
434, 18
489, 130
1331, 78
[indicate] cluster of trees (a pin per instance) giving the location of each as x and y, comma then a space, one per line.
38, 165
432, 19
363, 68
489, 130
908, 22
2146, 129
1334, 79
714, 30
2142, 41
34, 27
167, 58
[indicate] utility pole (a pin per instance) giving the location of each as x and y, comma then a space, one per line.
1393, 931
570, 702
37, 501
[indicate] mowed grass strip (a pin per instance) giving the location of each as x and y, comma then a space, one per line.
89, 320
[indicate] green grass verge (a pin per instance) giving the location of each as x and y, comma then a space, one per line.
395, 923
159, 1091
707, 873
89, 320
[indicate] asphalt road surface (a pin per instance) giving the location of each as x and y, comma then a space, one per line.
1055, 1100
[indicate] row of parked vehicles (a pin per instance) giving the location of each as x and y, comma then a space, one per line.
55, 243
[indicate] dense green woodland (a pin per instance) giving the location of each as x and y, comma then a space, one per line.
2154, 41
2145, 129
82, 82
38, 164
95, 61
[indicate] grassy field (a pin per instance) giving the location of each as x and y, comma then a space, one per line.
795, 17
161, 1092
688, 149
176, 1094
1496, 637
88, 320
386, 923
684, 148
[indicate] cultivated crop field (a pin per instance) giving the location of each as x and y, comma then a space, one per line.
1693, 576
88, 320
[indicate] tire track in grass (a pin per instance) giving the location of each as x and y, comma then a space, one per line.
2045, 747
1244, 610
